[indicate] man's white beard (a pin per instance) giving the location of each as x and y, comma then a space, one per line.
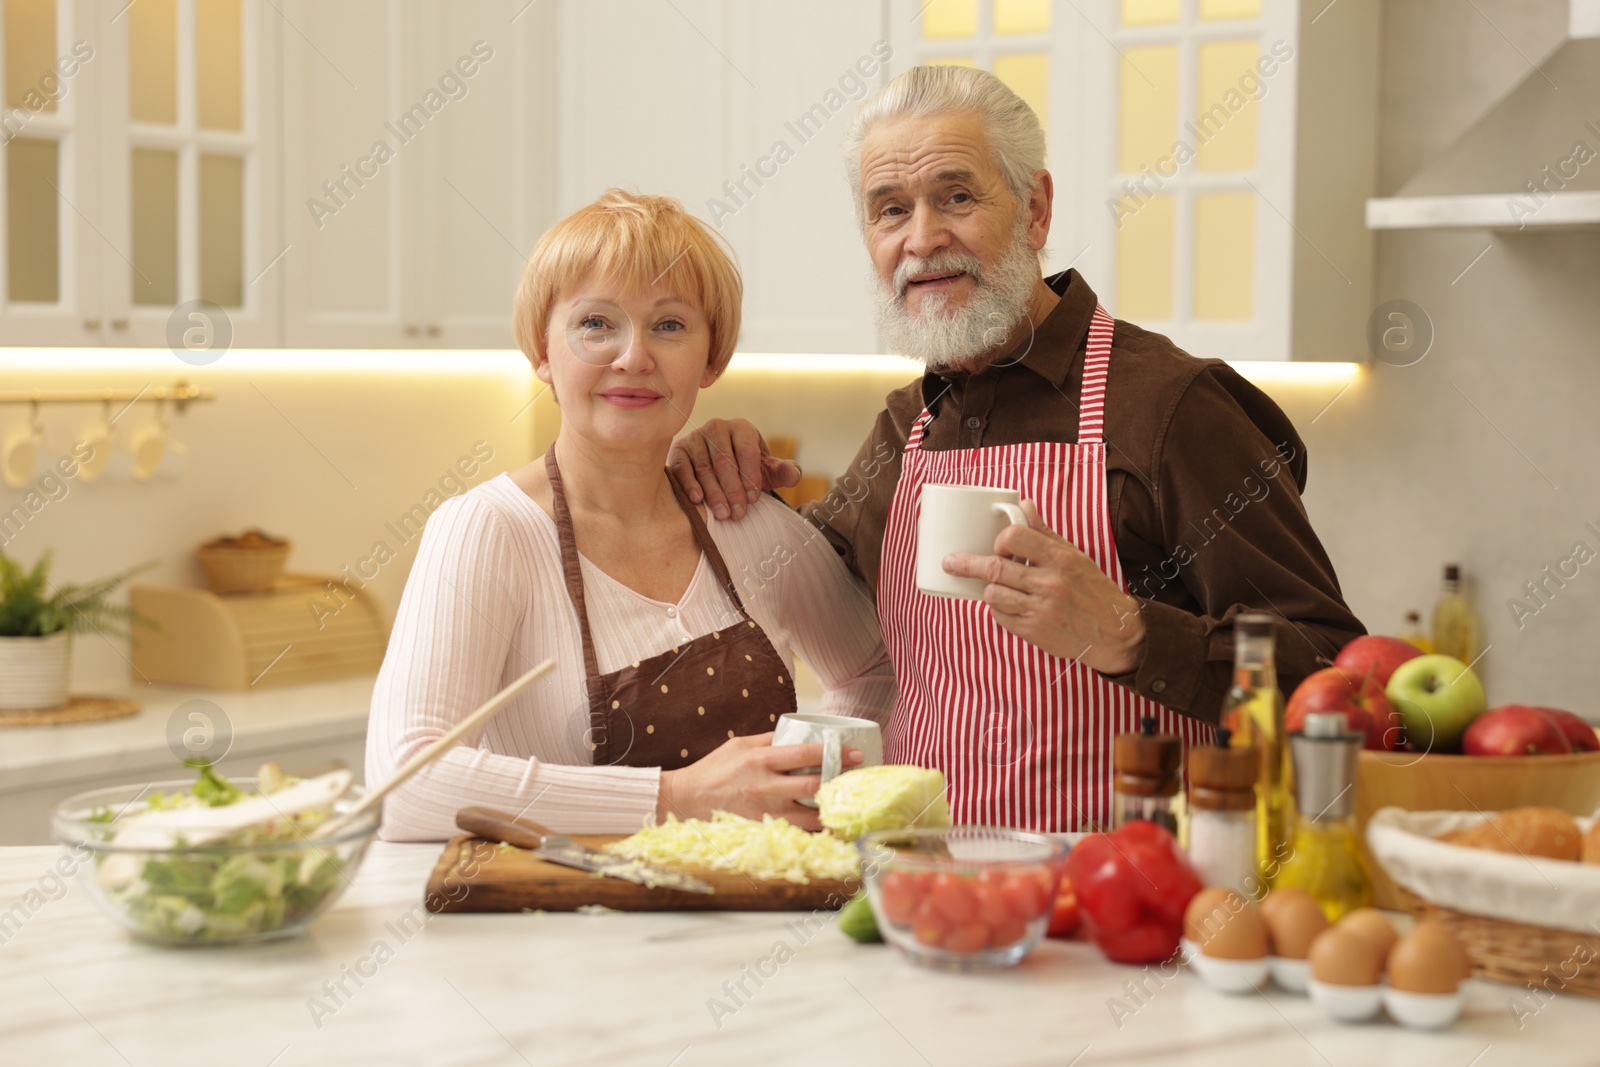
942, 339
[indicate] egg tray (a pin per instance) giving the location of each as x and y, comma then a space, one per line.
1421, 1011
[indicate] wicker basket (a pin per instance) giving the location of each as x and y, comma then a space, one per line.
243, 570
1524, 920
1557, 961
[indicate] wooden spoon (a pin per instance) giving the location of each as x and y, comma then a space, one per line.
490, 708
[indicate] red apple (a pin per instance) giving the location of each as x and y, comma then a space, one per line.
1514, 730
1579, 731
1359, 697
1376, 655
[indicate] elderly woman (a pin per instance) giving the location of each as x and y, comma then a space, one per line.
670, 673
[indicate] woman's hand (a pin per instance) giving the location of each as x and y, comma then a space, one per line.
725, 463
748, 776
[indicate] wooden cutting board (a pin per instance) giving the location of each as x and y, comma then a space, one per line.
477, 875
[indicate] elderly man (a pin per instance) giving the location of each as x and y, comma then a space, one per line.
1164, 489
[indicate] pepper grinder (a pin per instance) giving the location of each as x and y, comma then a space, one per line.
1149, 770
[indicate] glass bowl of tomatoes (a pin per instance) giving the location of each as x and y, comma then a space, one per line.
963, 897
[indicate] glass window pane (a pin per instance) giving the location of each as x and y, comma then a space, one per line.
943, 19
1225, 118
951, 61
1029, 77
154, 176
1148, 119
222, 230
1229, 9
33, 235
1224, 256
1145, 241
219, 64
153, 61
1149, 12
30, 29
1021, 16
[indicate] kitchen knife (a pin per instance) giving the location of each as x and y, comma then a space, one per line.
494, 825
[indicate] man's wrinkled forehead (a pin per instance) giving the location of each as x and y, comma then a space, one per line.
911, 156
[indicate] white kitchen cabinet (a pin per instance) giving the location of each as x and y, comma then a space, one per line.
417, 169
792, 221
717, 110
395, 161
140, 165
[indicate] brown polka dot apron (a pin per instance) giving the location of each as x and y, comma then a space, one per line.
671, 709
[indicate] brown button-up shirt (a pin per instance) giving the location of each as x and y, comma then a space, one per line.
1204, 475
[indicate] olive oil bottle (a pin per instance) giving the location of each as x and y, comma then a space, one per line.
1455, 631
1253, 712
1324, 857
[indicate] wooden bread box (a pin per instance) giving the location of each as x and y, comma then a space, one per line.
307, 628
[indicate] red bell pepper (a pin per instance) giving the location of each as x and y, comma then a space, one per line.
1133, 887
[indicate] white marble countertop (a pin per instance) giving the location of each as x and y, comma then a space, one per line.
265, 721
639, 989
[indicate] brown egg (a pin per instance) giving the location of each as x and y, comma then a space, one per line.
1242, 937
1429, 959
1294, 919
1370, 924
1342, 957
1208, 910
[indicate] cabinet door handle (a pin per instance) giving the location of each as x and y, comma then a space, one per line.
433, 331
411, 331
91, 324
119, 324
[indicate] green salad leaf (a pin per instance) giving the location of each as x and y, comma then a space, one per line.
224, 890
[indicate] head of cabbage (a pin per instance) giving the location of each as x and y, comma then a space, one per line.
893, 797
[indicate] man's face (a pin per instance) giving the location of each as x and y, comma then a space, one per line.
930, 185
953, 250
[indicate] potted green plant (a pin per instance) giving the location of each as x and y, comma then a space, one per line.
37, 621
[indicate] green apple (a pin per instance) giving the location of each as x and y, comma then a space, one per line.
1437, 697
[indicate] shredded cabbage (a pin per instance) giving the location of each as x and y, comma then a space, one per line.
772, 848
891, 797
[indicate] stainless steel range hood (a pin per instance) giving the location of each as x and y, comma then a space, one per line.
1533, 160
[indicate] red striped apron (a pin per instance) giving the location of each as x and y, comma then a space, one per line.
1024, 738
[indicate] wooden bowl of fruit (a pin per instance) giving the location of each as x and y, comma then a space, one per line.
1434, 745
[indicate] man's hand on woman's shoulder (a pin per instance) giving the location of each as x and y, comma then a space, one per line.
725, 464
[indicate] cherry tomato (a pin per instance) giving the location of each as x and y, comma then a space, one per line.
994, 907
1025, 895
966, 937
899, 893
1008, 933
956, 897
929, 926
1064, 915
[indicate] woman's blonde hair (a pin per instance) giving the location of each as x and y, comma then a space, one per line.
632, 240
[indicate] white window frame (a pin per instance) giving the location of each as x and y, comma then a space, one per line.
1085, 44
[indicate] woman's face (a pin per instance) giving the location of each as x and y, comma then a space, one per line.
626, 365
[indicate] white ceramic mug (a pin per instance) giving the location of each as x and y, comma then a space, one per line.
833, 732
960, 518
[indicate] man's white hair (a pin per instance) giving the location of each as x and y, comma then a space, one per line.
1015, 135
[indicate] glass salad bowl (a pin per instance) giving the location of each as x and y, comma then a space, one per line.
268, 880
963, 897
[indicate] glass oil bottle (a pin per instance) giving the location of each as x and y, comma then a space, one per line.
1325, 854
1252, 712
